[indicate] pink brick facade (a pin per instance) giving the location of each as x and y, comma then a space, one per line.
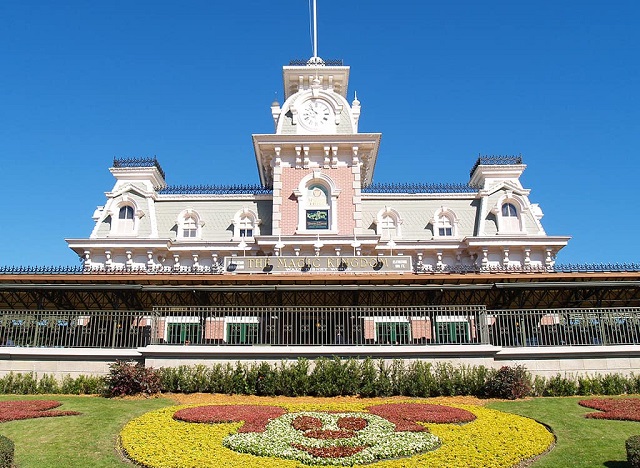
214, 329
421, 328
343, 179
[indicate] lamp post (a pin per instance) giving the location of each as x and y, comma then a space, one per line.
391, 244
355, 244
317, 246
243, 245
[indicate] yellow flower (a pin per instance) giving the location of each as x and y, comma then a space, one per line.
494, 440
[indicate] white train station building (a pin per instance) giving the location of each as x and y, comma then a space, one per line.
317, 208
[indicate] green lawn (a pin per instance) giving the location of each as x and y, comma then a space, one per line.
83, 441
581, 442
89, 440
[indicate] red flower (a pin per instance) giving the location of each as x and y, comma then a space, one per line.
29, 409
329, 434
352, 423
330, 452
406, 415
255, 418
626, 409
305, 423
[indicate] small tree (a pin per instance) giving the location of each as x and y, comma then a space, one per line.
131, 378
508, 382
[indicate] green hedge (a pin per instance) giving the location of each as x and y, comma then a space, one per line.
633, 451
32, 384
6, 452
327, 377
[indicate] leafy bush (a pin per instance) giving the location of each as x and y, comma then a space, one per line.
368, 377
19, 384
508, 382
325, 377
588, 385
48, 385
7, 449
30, 384
560, 385
633, 451
83, 385
418, 380
131, 378
262, 379
616, 384
384, 386
293, 380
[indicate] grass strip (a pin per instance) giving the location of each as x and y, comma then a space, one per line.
581, 442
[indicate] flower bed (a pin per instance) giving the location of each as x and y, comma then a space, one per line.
493, 439
625, 409
255, 418
28, 409
406, 415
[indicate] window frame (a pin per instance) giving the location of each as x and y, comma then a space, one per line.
444, 219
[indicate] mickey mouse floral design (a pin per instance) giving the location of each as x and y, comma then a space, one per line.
323, 438
408, 434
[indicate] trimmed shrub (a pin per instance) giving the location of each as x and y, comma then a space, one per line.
262, 379
368, 377
131, 378
559, 385
616, 384
19, 384
48, 385
30, 384
293, 379
384, 385
7, 450
508, 382
633, 451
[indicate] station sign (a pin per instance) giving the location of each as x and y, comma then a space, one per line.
291, 264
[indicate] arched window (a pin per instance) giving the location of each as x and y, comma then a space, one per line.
245, 227
510, 221
509, 210
246, 224
444, 227
388, 223
444, 223
126, 220
189, 224
317, 196
189, 228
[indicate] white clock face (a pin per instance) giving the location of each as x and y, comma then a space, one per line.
315, 114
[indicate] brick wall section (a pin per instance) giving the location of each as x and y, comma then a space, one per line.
344, 180
421, 328
214, 330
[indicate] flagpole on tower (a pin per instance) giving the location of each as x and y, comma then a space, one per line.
315, 60
315, 30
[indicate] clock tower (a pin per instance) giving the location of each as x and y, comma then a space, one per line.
316, 161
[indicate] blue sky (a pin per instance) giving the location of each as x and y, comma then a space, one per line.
190, 81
